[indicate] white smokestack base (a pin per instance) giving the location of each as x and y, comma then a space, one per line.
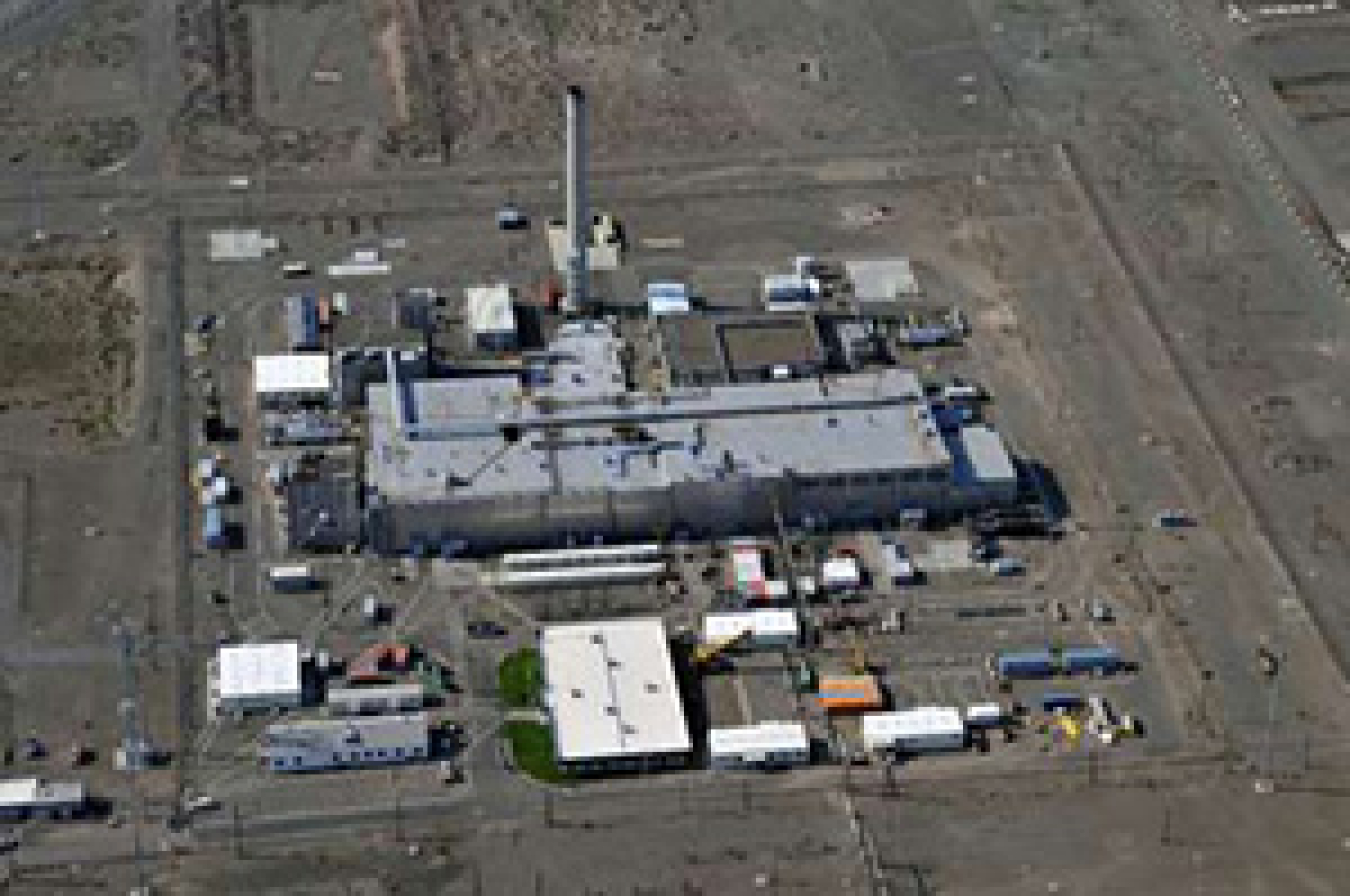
578, 211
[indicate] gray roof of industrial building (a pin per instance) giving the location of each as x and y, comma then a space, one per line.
852, 424
576, 427
981, 456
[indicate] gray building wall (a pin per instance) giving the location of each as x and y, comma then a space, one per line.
733, 506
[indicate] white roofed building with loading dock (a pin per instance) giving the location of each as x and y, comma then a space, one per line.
768, 627
249, 678
924, 729
612, 698
766, 745
295, 379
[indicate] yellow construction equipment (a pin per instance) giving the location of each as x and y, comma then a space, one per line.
1071, 729
705, 654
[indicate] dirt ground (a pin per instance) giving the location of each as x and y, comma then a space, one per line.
71, 340
482, 79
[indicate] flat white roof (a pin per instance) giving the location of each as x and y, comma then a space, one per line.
239, 245
989, 459
274, 374
841, 571
38, 791
883, 279
611, 689
259, 671
761, 623
766, 737
489, 309
920, 723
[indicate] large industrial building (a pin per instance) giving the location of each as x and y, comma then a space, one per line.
612, 697
565, 452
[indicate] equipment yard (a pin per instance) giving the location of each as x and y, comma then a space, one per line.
663, 446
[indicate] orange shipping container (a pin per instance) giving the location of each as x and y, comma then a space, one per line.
850, 693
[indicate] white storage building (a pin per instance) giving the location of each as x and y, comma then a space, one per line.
790, 292
841, 573
491, 317
768, 744
612, 697
345, 743
985, 715
768, 628
288, 380
668, 298
256, 678
919, 730
22, 798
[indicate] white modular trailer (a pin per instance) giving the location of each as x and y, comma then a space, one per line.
841, 573
576, 576
766, 745
604, 555
22, 798
985, 715
256, 677
790, 292
923, 729
668, 298
768, 628
291, 577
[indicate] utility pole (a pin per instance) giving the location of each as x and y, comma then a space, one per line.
133, 753
236, 832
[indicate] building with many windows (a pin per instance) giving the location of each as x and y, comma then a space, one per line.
318, 744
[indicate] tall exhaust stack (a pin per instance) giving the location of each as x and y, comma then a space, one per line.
578, 212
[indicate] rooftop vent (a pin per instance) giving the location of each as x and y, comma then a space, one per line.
576, 693
652, 687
